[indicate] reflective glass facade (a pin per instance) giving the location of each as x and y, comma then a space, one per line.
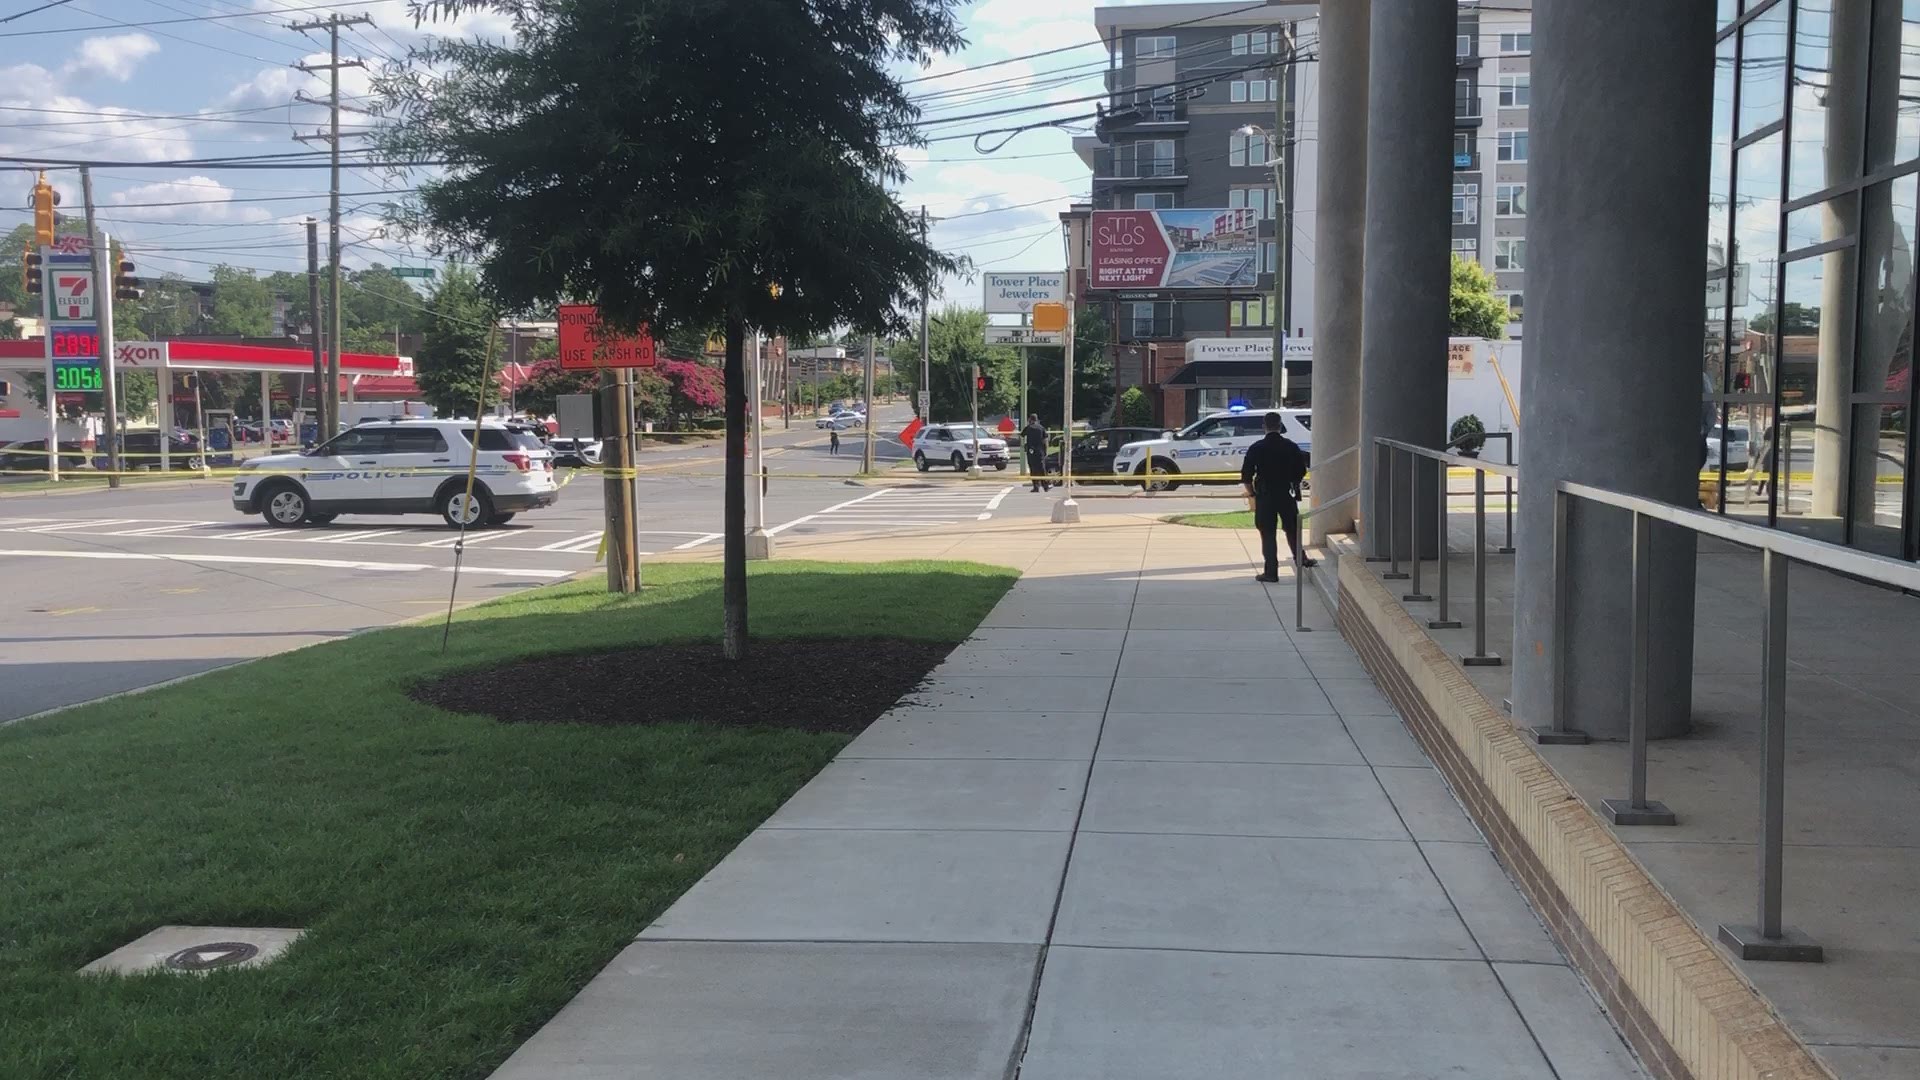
1808, 352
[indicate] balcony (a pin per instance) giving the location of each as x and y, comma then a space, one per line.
1133, 169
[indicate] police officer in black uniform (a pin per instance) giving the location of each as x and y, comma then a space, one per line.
1271, 476
1033, 440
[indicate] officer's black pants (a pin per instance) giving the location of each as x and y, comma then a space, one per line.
1036, 472
1269, 512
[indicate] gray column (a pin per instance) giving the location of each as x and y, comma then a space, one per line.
1610, 393
1340, 229
1403, 367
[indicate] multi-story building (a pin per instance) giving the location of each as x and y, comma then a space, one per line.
1197, 89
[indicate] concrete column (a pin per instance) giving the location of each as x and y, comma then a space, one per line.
1611, 388
1340, 228
1845, 133
1403, 367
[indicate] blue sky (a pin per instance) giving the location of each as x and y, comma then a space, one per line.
229, 86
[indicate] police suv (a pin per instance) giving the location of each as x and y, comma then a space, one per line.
403, 466
1212, 444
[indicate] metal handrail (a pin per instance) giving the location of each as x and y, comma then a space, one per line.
1767, 938
1480, 657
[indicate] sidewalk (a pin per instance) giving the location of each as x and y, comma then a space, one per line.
1135, 828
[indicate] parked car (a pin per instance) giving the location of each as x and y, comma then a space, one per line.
403, 467
576, 452
1214, 444
1093, 453
31, 455
953, 445
1728, 446
141, 450
841, 421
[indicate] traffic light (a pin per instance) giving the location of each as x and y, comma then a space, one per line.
30, 266
44, 200
125, 285
983, 383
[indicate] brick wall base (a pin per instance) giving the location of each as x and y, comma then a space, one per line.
1681, 1004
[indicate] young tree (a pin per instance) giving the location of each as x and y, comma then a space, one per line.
1092, 373
956, 342
242, 304
450, 363
1476, 312
681, 163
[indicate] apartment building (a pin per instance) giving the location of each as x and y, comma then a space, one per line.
1491, 95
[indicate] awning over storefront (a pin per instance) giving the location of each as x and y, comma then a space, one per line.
1228, 374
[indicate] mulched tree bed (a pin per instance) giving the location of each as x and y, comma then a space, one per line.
837, 685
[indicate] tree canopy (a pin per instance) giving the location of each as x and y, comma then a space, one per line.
451, 362
1475, 311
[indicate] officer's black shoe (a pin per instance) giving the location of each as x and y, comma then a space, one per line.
1269, 578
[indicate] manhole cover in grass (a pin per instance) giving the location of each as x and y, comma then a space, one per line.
214, 954
838, 685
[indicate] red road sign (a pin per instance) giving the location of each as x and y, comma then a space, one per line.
583, 347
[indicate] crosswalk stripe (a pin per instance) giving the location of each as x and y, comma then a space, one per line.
67, 526
562, 545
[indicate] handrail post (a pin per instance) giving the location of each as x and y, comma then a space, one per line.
1636, 808
1442, 622
1506, 492
1393, 550
1302, 578
1768, 940
1556, 732
1418, 595
1481, 657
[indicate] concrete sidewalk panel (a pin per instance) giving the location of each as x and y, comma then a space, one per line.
1239, 800
1189, 616
1258, 894
1015, 693
1150, 658
920, 732
1243, 737
1356, 697
872, 793
1386, 741
1182, 695
1426, 805
1045, 615
1494, 910
1121, 1014
980, 659
683, 1010
1573, 1032
1272, 640
854, 885
1010, 637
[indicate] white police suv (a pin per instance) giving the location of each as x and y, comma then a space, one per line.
1212, 444
403, 466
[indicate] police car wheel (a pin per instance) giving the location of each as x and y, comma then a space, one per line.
920, 461
284, 507
999, 466
1162, 477
458, 509
959, 463
499, 519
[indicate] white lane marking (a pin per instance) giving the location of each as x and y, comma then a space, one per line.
562, 545
159, 530
828, 510
585, 547
355, 537
997, 499
703, 538
65, 526
263, 560
471, 538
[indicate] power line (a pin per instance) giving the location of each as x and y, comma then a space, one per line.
1082, 45
31, 10
144, 24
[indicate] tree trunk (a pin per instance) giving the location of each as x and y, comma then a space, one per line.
734, 519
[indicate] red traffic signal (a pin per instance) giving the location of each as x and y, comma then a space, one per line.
125, 285
983, 383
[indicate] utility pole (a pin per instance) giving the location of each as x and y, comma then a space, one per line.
926, 379
103, 284
321, 432
616, 420
1282, 222
866, 452
332, 24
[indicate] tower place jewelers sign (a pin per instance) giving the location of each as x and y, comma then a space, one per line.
1016, 293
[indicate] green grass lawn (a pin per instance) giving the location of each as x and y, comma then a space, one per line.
460, 878
1225, 519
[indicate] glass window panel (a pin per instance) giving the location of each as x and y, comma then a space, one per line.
1829, 84
1719, 209
1893, 80
1879, 504
1886, 286
1763, 69
1754, 262
1812, 335
1819, 223
1728, 11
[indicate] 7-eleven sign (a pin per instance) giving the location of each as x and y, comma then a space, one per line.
73, 294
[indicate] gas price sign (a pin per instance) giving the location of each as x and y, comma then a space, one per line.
76, 358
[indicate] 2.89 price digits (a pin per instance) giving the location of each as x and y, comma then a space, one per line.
75, 342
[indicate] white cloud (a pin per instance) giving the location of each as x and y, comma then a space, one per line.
113, 55
202, 197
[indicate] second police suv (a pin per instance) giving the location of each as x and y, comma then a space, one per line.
1214, 444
